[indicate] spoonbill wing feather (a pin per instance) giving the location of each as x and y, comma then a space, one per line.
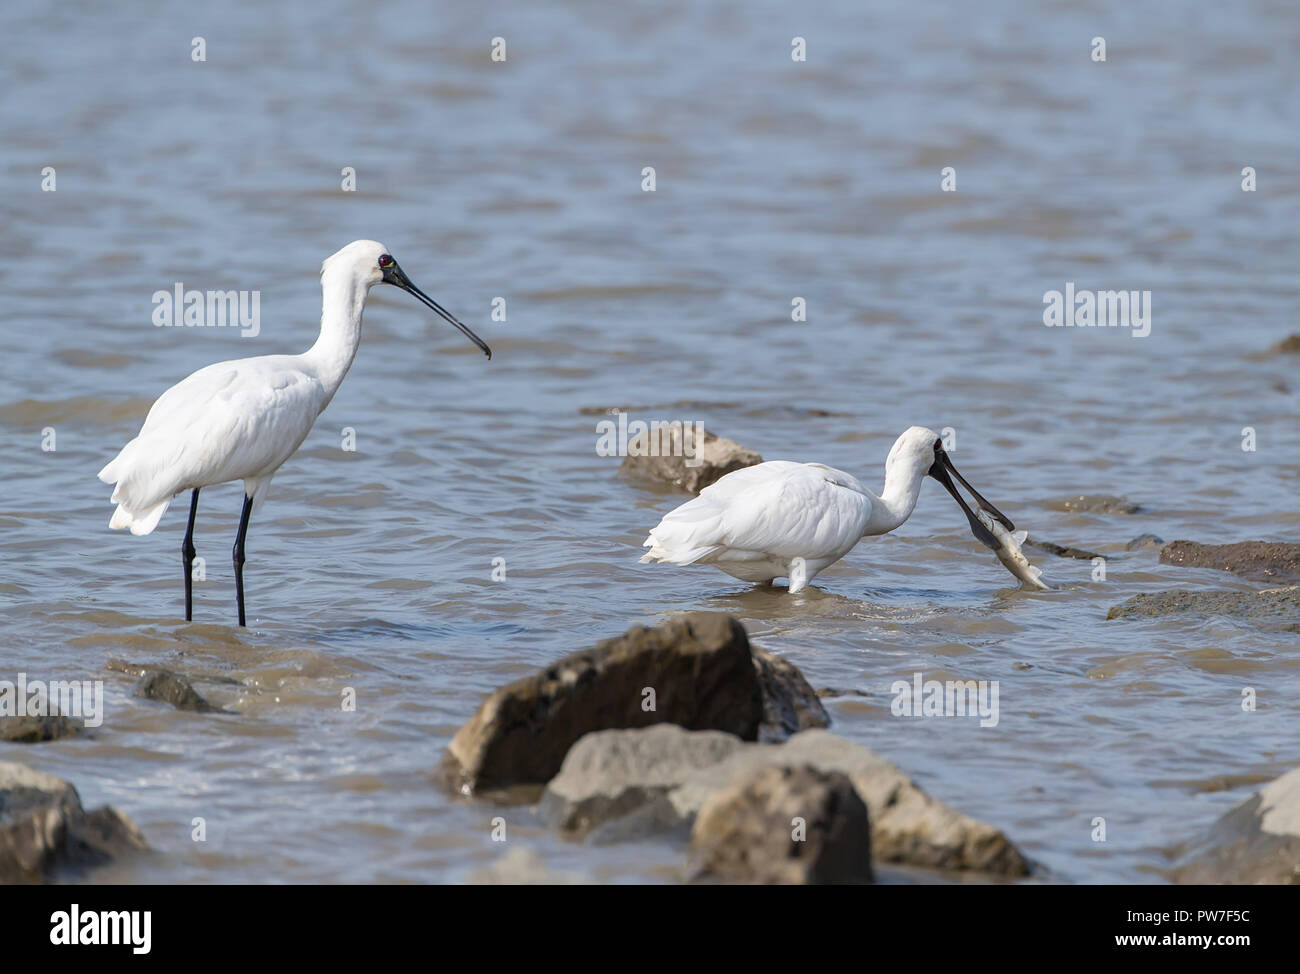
779, 509
228, 421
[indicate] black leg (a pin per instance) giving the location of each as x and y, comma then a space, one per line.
187, 556
239, 556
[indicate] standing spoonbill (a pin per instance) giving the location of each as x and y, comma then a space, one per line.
781, 519
240, 420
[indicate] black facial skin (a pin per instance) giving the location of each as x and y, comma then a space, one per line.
395, 276
941, 470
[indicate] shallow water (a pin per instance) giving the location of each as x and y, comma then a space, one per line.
373, 569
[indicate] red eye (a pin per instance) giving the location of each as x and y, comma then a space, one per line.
385, 261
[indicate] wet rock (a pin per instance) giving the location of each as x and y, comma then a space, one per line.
1287, 346
45, 832
788, 825
172, 688
656, 818
907, 825
697, 668
1258, 841
1255, 559
1096, 504
1061, 551
1270, 605
790, 705
1144, 541
678, 462
33, 730
523, 867
614, 773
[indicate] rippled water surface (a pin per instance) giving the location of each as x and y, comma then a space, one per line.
373, 569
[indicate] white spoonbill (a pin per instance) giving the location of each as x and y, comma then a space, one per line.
240, 420
782, 519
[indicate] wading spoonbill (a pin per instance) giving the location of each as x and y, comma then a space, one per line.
240, 420
781, 519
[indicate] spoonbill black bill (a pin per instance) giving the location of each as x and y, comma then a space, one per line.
782, 519
242, 419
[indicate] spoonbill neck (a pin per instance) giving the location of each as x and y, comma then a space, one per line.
897, 499
343, 301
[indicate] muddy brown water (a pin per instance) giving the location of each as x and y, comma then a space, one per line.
373, 569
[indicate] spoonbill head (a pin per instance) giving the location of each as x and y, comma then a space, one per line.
242, 419
782, 519
366, 263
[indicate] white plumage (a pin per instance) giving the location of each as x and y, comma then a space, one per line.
242, 419
782, 519
236, 420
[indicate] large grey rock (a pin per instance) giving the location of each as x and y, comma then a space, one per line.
788, 825
907, 825
1255, 559
45, 831
1258, 841
700, 670
677, 461
612, 774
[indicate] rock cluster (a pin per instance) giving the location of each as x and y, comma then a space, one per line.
732, 761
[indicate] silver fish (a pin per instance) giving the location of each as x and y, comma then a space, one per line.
1009, 553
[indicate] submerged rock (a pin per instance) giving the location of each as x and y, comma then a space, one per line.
1256, 559
1061, 551
611, 774
683, 463
1096, 504
907, 825
172, 688
523, 867
34, 730
1275, 604
788, 825
696, 671
1258, 841
44, 830
1287, 346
